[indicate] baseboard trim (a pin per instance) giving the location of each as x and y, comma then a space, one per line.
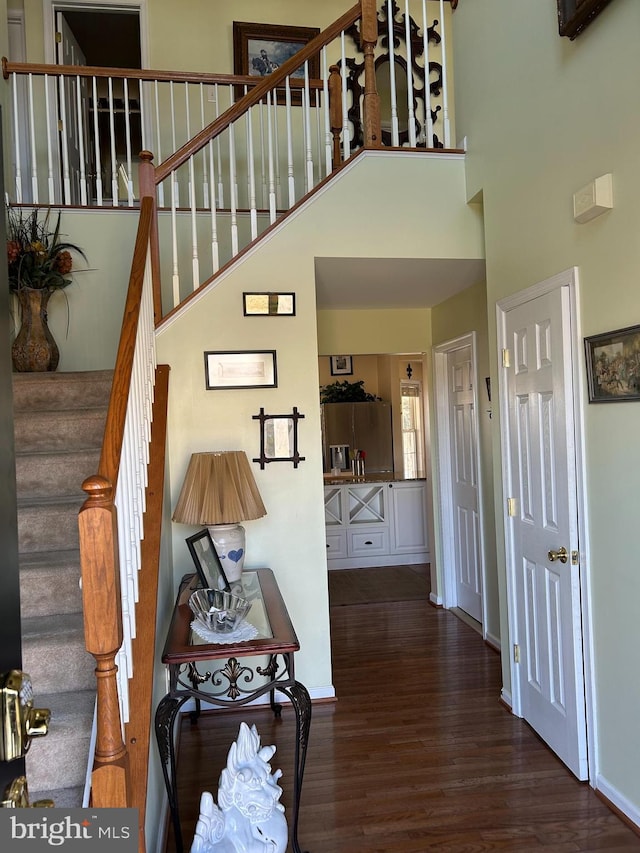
435, 600
618, 803
493, 642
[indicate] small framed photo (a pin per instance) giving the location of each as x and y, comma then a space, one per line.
341, 365
208, 565
613, 365
234, 369
269, 304
575, 15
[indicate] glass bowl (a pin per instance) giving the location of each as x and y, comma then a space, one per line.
217, 610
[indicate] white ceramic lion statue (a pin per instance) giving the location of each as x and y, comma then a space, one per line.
249, 817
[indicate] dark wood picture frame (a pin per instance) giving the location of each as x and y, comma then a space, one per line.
341, 365
279, 43
575, 15
613, 365
240, 369
269, 304
207, 562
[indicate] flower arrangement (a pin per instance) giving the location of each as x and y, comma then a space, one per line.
37, 258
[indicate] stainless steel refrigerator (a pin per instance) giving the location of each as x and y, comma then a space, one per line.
362, 426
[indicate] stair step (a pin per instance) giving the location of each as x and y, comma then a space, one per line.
50, 583
59, 429
48, 524
62, 754
38, 391
46, 474
63, 798
54, 655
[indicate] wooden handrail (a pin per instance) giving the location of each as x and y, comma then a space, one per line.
266, 84
114, 428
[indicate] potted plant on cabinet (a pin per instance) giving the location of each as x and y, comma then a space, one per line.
39, 264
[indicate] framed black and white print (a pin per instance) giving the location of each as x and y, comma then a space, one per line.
341, 365
237, 369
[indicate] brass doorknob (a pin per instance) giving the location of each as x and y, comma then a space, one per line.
561, 555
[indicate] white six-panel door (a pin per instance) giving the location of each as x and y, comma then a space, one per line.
543, 524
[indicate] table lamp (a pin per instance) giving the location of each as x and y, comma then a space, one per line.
219, 490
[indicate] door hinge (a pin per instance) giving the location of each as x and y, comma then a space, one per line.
575, 558
506, 357
512, 507
58, 38
516, 653
60, 127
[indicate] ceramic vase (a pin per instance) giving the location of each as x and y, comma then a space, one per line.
34, 350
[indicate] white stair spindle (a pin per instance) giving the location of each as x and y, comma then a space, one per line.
345, 116
427, 81
205, 173
112, 137
175, 189
143, 88
16, 139
270, 163
187, 112
127, 127
328, 145
174, 244
445, 97
251, 177
96, 143
48, 82
265, 193
158, 144
276, 150
410, 109
34, 159
233, 191
66, 179
306, 103
395, 136
195, 264
290, 174
215, 253
80, 114
219, 152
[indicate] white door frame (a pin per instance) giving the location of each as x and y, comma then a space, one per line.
445, 482
50, 7
569, 279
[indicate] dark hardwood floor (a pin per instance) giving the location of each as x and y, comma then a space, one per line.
416, 755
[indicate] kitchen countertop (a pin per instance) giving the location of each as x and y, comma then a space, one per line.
348, 478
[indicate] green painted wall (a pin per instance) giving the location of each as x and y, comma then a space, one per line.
543, 116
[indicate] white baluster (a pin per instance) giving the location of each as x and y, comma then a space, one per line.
127, 126
270, 164
81, 154
251, 176
112, 138
174, 244
50, 179
215, 252
328, 145
395, 137
427, 81
158, 144
34, 159
143, 88
66, 180
187, 111
345, 117
96, 143
276, 150
219, 152
265, 193
16, 139
445, 97
306, 103
410, 109
233, 191
195, 264
290, 172
174, 189
205, 175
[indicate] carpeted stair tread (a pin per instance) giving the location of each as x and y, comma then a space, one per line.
59, 429
48, 523
50, 583
59, 474
51, 757
38, 391
63, 798
54, 655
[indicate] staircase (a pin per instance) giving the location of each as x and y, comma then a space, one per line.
59, 423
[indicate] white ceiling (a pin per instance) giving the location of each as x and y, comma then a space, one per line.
392, 282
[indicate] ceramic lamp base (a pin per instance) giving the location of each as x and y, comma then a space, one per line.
229, 542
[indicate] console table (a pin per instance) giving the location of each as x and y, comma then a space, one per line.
184, 650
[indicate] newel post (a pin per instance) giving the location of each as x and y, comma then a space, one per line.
99, 565
369, 38
335, 112
147, 180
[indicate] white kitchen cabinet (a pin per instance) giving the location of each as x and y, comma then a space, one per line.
376, 524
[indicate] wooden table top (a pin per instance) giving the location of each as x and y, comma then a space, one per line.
180, 646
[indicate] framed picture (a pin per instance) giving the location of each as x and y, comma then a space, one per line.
231, 369
575, 15
269, 304
258, 49
613, 365
341, 365
207, 562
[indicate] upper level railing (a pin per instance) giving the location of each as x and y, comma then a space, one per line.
242, 150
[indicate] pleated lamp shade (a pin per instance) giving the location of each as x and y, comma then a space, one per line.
219, 490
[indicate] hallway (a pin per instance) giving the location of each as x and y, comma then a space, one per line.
417, 754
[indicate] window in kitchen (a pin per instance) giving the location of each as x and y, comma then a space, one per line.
412, 432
